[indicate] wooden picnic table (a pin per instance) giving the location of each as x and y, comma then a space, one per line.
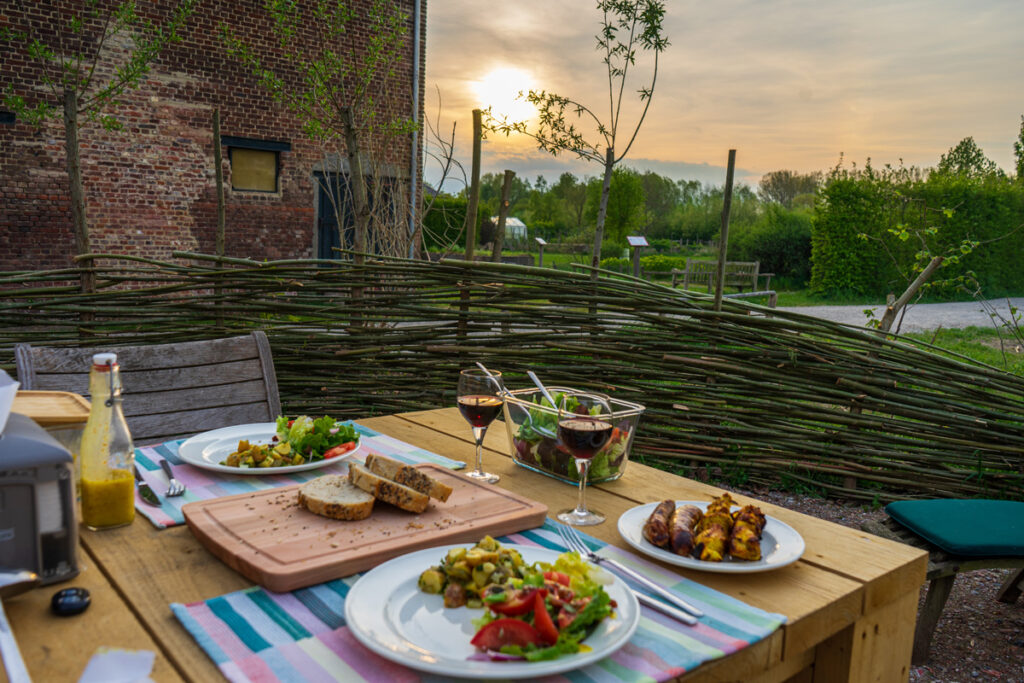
851, 600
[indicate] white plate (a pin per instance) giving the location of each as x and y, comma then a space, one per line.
780, 543
208, 449
387, 612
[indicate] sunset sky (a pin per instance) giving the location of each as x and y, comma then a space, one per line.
790, 84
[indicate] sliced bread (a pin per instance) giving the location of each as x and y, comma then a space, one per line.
407, 476
384, 489
334, 496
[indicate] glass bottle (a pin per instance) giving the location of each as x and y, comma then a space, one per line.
107, 455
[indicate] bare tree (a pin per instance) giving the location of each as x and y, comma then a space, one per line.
627, 26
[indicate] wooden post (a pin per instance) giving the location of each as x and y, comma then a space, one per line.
636, 261
474, 187
499, 238
540, 258
723, 242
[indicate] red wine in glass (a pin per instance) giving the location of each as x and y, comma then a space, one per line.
479, 411
583, 436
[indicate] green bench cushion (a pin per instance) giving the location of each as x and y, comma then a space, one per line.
971, 528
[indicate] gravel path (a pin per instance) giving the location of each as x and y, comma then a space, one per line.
918, 317
977, 639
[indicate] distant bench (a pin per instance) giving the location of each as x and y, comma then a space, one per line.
739, 274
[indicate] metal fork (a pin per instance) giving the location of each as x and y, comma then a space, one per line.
574, 542
174, 487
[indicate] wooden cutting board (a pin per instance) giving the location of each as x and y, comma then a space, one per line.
50, 408
269, 539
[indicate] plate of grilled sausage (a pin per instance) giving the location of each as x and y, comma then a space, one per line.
716, 536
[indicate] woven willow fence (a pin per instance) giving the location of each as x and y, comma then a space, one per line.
758, 395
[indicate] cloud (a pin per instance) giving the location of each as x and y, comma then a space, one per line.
788, 83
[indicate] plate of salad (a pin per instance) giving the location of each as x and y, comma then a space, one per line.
550, 613
287, 445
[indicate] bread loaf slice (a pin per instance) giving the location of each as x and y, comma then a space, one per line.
387, 490
334, 496
407, 476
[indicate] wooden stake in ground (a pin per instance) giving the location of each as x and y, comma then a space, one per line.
499, 237
474, 187
723, 242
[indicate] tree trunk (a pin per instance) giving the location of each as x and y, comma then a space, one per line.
77, 191
602, 211
357, 183
499, 238
218, 174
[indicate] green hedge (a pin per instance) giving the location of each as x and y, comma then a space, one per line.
870, 227
780, 241
653, 263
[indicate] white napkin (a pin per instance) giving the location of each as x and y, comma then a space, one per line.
110, 665
8, 389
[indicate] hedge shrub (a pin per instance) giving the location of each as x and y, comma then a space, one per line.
870, 227
780, 241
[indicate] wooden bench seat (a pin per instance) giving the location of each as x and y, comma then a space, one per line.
739, 274
942, 571
171, 390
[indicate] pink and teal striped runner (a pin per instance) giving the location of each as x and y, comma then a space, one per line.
204, 484
255, 635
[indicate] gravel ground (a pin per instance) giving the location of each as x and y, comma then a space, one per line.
977, 639
918, 317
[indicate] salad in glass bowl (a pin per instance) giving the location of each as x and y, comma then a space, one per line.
532, 422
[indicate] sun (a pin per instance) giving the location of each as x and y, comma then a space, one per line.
499, 90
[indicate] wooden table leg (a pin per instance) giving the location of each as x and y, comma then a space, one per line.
877, 647
938, 592
1012, 587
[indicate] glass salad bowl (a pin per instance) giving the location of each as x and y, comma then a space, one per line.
532, 425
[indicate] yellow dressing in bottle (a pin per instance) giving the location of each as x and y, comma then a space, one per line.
106, 455
109, 502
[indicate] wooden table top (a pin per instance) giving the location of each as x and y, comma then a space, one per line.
847, 599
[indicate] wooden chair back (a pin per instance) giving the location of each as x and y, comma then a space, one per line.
170, 390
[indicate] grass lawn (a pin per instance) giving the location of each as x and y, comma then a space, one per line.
981, 344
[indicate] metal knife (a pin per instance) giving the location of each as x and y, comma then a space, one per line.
146, 493
665, 608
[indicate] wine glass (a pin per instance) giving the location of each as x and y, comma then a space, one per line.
584, 435
480, 402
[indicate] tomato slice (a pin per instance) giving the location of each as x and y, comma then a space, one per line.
542, 621
339, 450
518, 603
558, 577
565, 618
507, 631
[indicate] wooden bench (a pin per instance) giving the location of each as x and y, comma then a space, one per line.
942, 571
739, 274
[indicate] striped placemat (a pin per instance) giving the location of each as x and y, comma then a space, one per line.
204, 484
257, 635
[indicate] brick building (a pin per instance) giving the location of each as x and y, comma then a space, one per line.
150, 187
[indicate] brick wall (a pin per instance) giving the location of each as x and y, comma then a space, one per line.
150, 186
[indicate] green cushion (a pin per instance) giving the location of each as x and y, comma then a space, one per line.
972, 528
